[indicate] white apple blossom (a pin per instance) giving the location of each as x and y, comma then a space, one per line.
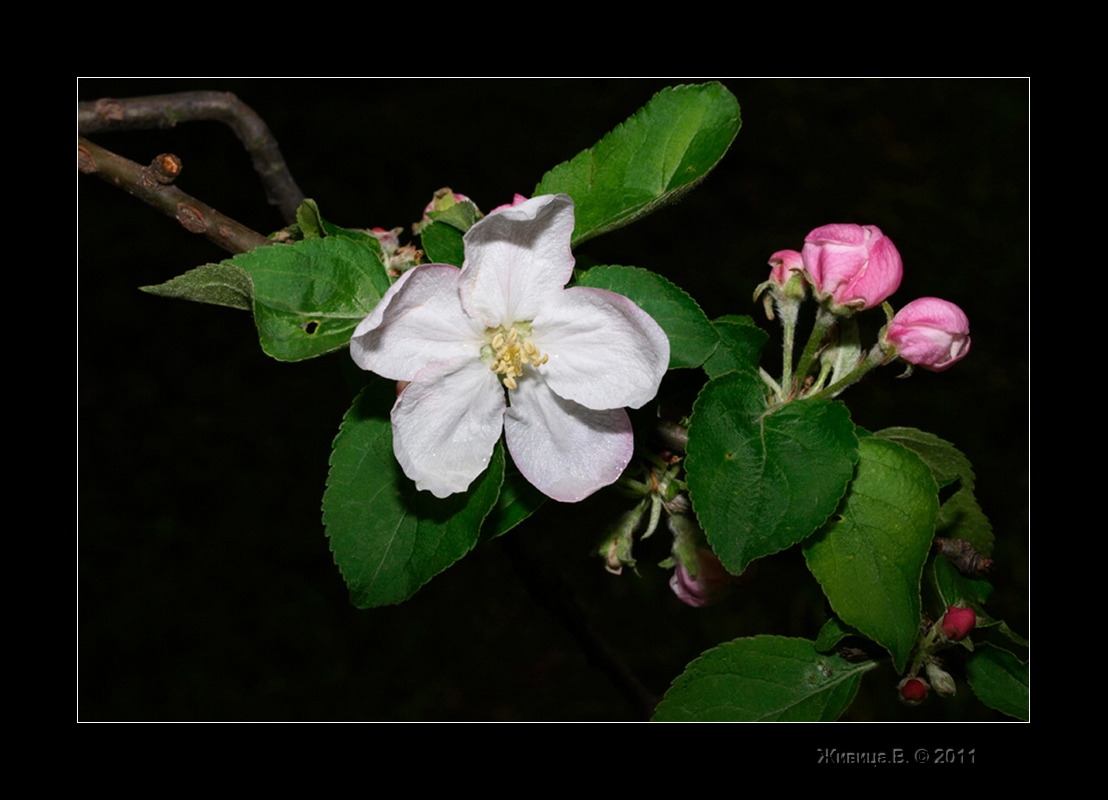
501, 344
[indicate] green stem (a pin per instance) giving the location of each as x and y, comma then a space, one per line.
768, 380
875, 358
788, 314
824, 321
824, 372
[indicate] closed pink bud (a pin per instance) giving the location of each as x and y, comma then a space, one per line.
930, 333
712, 581
913, 691
784, 263
857, 266
958, 622
517, 198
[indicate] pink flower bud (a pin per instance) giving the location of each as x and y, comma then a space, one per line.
784, 263
390, 240
930, 333
958, 622
855, 265
517, 198
913, 690
712, 581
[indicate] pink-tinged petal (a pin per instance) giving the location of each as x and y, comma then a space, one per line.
565, 450
784, 263
854, 265
930, 333
446, 424
882, 274
605, 351
517, 259
833, 254
711, 584
419, 321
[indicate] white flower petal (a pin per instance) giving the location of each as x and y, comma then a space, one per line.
567, 429
605, 351
565, 450
446, 423
516, 259
419, 321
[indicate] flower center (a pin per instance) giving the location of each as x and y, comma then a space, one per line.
511, 350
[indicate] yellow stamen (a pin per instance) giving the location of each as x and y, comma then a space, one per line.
511, 354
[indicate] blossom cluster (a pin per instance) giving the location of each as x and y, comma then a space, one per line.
854, 267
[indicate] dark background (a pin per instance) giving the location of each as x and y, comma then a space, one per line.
206, 587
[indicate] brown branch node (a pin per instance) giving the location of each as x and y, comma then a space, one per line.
85, 162
165, 111
194, 215
163, 170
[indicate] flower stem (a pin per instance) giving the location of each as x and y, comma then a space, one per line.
874, 359
824, 322
788, 311
768, 380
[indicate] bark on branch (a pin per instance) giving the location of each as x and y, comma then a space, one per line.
165, 111
152, 185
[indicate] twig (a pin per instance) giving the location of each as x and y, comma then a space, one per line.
152, 185
548, 588
165, 111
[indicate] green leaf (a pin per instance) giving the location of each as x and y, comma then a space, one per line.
518, 500
740, 345
460, 215
1000, 680
870, 561
960, 517
309, 296
953, 587
1003, 628
761, 479
313, 226
946, 462
387, 537
443, 244
308, 219
652, 159
222, 284
691, 336
763, 679
833, 632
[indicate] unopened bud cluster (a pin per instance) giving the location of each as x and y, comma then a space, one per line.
699, 578
956, 624
851, 268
